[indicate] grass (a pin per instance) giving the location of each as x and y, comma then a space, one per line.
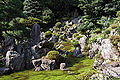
78, 66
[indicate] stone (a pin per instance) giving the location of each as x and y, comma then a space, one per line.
8, 44
48, 64
83, 42
107, 50
77, 52
4, 70
35, 34
44, 64
62, 66
14, 61
53, 39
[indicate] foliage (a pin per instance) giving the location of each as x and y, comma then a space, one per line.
75, 43
75, 34
78, 37
98, 30
58, 24
104, 21
115, 39
61, 37
53, 55
47, 33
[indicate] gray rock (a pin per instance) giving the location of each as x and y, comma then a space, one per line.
44, 64
14, 61
107, 50
35, 34
4, 70
8, 44
77, 52
62, 66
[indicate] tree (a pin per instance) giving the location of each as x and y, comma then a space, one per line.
9, 9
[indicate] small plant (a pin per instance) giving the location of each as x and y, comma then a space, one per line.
75, 43
61, 37
98, 30
75, 35
115, 39
47, 33
78, 37
53, 55
58, 24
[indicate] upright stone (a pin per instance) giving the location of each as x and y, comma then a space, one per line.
35, 34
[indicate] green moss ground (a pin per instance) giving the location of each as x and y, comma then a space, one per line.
78, 66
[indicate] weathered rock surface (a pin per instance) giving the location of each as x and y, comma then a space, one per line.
4, 70
14, 61
44, 64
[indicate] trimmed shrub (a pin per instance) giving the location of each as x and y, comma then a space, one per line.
58, 24
53, 55
98, 30
75, 35
75, 43
115, 39
47, 33
78, 37
61, 37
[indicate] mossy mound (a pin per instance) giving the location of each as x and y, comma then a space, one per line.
47, 33
53, 55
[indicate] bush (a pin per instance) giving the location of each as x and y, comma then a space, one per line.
58, 24
53, 55
61, 37
47, 33
78, 37
98, 30
115, 39
75, 43
118, 14
75, 35
107, 31
113, 26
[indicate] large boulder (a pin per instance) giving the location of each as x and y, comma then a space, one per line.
35, 34
4, 71
8, 44
107, 50
14, 61
44, 64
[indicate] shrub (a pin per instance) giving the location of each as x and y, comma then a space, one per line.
61, 37
107, 31
47, 33
118, 14
98, 30
58, 24
113, 26
115, 39
75, 43
53, 55
75, 35
78, 37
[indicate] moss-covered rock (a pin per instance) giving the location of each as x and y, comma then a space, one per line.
53, 55
61, 37
98, 30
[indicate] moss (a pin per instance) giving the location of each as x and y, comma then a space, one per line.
58, 24
53, 55
47, 33
75, 35
78, 67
